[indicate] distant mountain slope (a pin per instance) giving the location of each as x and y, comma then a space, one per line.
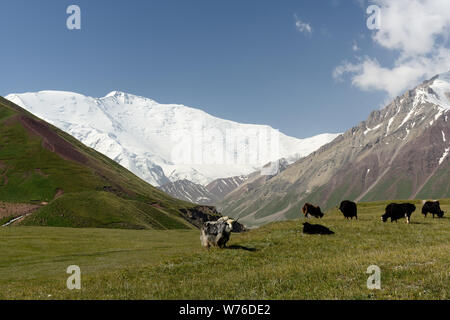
196, 193
163, 143
221, 187
399, 152
71, 185
217, 190
189, 191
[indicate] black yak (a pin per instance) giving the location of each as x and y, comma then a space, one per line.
432, 207
309, 228
397, 211
348, 209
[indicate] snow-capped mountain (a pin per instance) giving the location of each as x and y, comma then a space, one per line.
163, 143
399, 152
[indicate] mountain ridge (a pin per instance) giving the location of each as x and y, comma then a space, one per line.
144, 136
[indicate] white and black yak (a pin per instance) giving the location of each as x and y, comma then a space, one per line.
216, 233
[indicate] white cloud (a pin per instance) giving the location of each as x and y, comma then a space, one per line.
413, 26
418, 31
355, 46
302, 26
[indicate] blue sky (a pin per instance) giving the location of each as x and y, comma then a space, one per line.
240, 60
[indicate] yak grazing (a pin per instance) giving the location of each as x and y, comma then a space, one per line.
309, 209
397, 211
432, 207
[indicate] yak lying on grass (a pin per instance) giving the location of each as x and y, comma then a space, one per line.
397, 211
309, 228
216, 233
309, 209
432, 207
348, 209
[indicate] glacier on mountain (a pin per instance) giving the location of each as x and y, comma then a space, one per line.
162, 143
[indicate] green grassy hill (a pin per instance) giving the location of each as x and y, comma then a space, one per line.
70, 184
276, 261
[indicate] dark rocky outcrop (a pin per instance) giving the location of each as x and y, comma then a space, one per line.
201, 214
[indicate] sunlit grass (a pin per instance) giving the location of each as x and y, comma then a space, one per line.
274, 262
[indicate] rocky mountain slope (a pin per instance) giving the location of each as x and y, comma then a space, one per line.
190, 191
221, 187
399, 152
164, 143
197, 193
218, 189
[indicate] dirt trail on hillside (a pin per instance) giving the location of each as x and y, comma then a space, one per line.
8, 209
17, 210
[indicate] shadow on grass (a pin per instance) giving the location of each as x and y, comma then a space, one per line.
238, 247
429, 221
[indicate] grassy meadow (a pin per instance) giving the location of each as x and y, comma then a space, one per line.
276, 261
